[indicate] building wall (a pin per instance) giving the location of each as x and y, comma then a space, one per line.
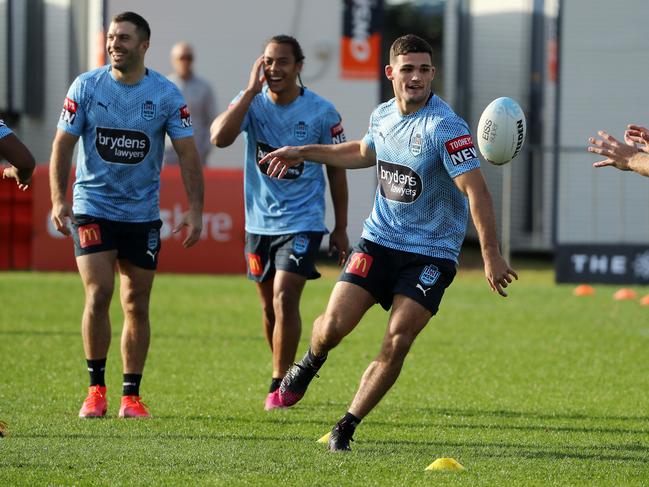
604, 76
229, 36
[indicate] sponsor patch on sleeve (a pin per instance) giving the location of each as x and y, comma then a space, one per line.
461, 149
338, 133
185, 117
69, 112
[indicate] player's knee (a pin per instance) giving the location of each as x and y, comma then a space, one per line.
135, 304
397, 346
98, 297
285, 302
327, 330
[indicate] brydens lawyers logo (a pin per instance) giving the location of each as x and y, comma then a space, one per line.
254, 265
461, 149
359, 264
69, 112
185, 117
89, 235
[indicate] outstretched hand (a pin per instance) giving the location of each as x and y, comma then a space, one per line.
12, 172
617, 153
635, 134
281, 160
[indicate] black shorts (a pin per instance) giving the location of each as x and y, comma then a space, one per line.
294, 253
384, 272
139, 243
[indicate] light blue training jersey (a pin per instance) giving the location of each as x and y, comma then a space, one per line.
417, 206
295, 203
4, 130
122, 129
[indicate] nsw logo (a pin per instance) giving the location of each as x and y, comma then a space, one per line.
300, 244
153, 241
301, 130
429, 275
415, 144
263, 149
148, 110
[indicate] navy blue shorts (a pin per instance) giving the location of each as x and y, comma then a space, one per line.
294, 253
384, 272
139, 243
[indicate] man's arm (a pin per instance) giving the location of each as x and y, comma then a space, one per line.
348, 155
226, 127
339, 197
497, 270
620, 155
60, 163
21, 160
192, 173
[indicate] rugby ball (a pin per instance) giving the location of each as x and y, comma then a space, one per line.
501, 131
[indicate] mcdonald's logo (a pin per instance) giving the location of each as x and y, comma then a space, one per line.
359, 264
89, 235
254, 265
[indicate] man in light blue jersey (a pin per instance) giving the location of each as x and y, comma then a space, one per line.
121, 112
21, 161
284, 218
428, 179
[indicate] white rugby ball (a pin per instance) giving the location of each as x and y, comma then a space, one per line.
501, 131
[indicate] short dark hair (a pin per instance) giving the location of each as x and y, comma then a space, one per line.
295, 45
141, 25
408, 44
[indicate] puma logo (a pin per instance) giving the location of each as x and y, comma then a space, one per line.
152, 254
420, 287
382, 137
296, 259
104, 106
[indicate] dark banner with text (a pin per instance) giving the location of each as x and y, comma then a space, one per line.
606, 264
360, 48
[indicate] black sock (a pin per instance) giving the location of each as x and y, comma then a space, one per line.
274, 384
131, 385
348, 423
96, 370
313, 360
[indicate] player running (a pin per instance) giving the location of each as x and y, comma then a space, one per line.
122, 112
428, 177
284, 218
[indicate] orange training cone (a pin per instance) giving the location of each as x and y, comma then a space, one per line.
584, 290
645, 300
624, 294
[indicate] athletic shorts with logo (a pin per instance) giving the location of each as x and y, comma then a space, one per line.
137, 242
384, 272
294, 253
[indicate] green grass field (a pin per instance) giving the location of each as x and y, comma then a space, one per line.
541, 388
